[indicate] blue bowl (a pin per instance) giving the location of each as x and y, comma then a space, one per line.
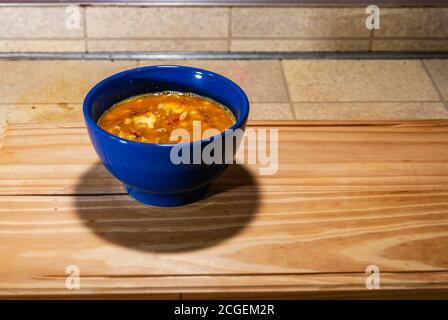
145, 169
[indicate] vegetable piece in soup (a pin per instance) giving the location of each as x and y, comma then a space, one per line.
151, 118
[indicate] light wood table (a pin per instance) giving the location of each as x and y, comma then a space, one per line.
346, 195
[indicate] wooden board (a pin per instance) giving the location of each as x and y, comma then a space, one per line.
346, 195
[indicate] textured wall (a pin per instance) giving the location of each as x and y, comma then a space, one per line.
135, 28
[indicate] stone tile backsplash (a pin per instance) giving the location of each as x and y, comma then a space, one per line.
98, 28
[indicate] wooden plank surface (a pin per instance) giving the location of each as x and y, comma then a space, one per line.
346, 195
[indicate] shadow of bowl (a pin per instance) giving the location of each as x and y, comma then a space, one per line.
227, 209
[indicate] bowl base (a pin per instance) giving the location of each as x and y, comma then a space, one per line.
167, 199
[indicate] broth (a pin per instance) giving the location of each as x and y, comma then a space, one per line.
151, 118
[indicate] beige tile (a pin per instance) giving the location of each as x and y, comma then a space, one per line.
439, 73
53, 81
4, 109
409, 45
45, 113
370, 111
358, 80
299, 22
162, 22
270, 111
262, 80
42, 46
298, 45
157, 45
413, 22
40, 22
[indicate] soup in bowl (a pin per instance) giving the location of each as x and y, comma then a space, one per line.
153, 118
134, 118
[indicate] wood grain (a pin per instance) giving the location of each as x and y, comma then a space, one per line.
346, 195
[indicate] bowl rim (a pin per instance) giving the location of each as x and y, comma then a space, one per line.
238, 123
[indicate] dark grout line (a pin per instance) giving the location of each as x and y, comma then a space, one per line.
280, 38
434, 84
84, 22
39, 103
288, 93
369, 101
289, 101
229, 36
109, 39
377, 55
371, 40
51, 103
316, 4
229, 32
